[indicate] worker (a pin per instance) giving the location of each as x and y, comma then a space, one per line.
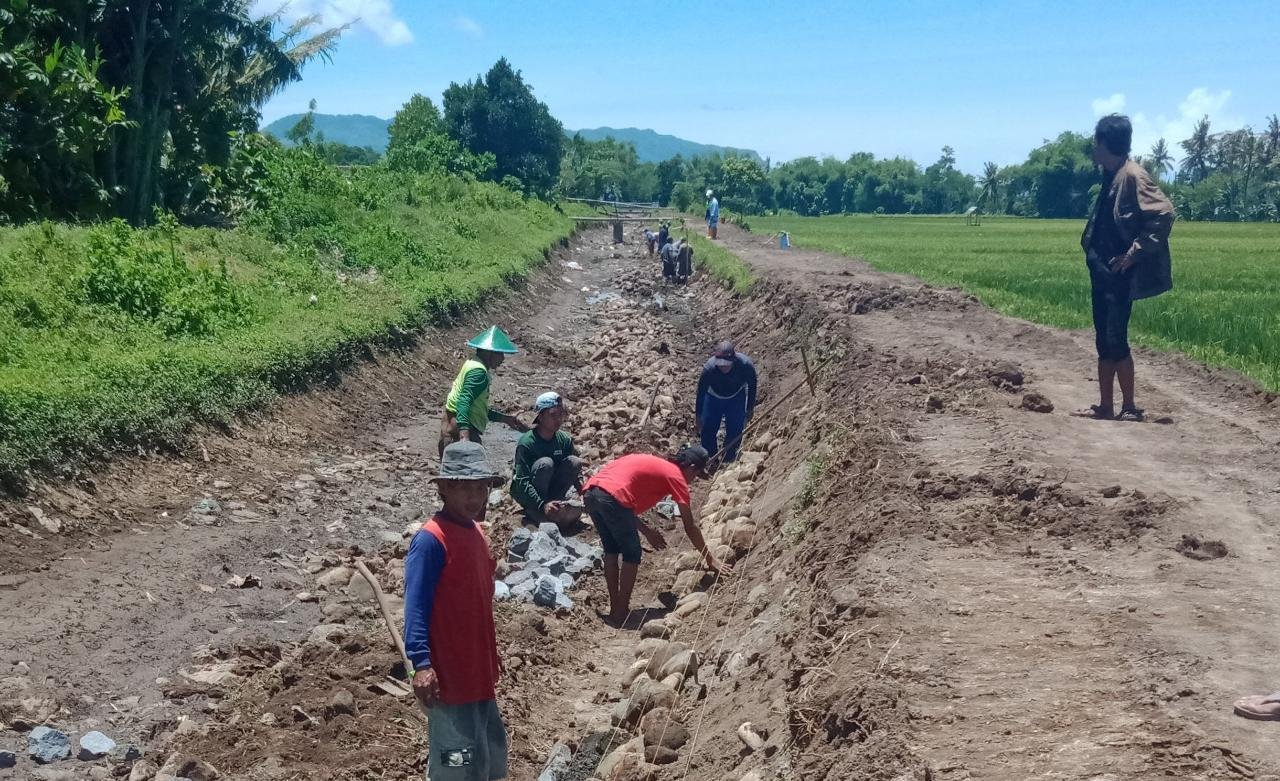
684, 261
546, 467
670, 257
466, 410
726, 392
651, 241
622, 491
713, 214
449, 634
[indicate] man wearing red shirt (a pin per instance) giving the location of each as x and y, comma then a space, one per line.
449, 634
619, 494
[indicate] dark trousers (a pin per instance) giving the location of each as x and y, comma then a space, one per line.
552, 481
733, 412
1111, 310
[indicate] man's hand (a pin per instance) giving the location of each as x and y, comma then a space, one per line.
551, 508
1121, 263
723, 569
427, 687
654, 537
464, 435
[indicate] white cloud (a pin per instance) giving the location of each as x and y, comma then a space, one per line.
1111, 105
375, 16
1174, 128
469, 26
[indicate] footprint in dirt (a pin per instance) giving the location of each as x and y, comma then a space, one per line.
1193, 547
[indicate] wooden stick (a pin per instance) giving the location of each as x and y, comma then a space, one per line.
386, 614
652, 398
804, 357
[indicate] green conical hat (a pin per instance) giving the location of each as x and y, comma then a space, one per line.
493, 340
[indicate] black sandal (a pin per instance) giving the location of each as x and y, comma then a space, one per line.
1130, 413
1096, 412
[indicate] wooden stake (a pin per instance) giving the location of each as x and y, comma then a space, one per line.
808, 375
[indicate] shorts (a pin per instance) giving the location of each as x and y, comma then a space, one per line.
466, 742
1111, 310
618, 527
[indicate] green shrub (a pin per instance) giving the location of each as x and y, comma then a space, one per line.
115, 335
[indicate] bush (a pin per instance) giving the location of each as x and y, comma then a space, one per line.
115, 335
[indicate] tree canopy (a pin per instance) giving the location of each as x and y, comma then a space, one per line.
499, 114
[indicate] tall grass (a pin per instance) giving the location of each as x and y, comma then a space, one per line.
1224, 309
113, 335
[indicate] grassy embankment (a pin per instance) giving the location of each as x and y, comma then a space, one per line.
1224, 309
113, 335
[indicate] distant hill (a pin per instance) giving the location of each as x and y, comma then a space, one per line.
364, 130
654, 147
352, 129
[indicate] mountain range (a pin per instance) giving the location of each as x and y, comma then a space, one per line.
364, 130
350, 129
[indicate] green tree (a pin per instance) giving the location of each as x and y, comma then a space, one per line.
1161, 159
499, 114
1195, 166
417, 141
989, 186
301, 131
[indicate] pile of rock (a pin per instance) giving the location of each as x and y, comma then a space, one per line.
544, 564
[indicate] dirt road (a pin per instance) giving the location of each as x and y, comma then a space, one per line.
1034, 614
933, 582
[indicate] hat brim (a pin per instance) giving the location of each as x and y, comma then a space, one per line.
496, 481
722, 362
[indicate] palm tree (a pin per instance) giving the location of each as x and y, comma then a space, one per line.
1160, 158
989, 183
1271, 140
1195, 166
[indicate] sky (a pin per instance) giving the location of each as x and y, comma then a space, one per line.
992, 79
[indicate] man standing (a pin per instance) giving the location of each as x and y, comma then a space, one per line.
726, 392
547, 466
466, 410
449, 633
622, 491
1126, 245
713, 214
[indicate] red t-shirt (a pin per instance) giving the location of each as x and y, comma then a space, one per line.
639, 481
464, 645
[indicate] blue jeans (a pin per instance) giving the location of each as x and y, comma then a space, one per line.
733, 411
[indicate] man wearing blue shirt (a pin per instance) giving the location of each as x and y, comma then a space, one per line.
713, 214
726, 392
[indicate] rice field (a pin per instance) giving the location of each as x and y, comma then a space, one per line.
1224, 309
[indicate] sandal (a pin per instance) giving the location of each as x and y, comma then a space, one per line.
1095, 411
1130, 413
1259, 707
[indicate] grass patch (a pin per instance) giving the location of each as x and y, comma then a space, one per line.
114, 335
723, 264
815, 470
1224, 309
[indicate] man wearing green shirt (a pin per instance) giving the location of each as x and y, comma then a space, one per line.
466, 411
546, 467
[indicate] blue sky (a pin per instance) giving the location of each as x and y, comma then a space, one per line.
991, 79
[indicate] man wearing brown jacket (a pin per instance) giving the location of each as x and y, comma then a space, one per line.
1126, 245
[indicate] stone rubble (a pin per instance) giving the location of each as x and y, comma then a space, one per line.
544, 565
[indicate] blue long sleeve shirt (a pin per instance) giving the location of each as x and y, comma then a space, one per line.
422, 567
742, 375
713, 211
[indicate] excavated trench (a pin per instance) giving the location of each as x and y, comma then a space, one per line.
795, 667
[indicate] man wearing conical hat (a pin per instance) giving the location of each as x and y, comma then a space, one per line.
466, 411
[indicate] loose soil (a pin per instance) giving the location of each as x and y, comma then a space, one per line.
938, 579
